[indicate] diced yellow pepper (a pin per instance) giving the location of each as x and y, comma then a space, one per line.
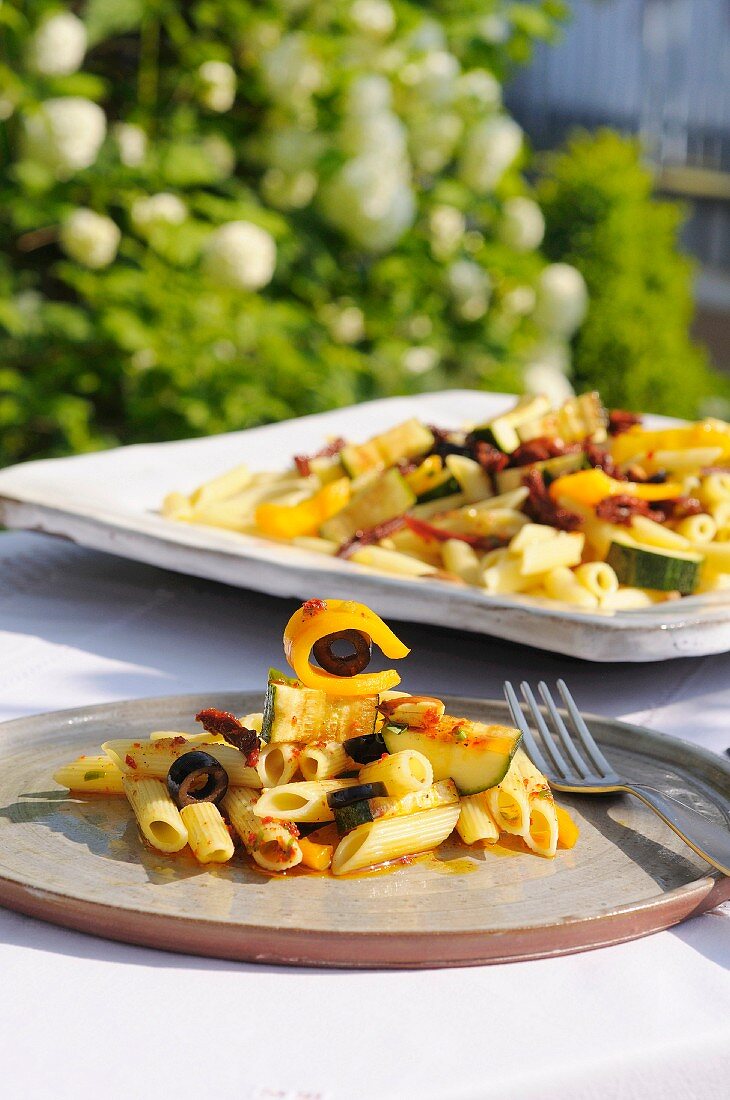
568, 831
422, 478
316, 856
638, 441
316, 619
289, 521
590, 487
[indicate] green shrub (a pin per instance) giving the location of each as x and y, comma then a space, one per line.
600, 216
365, 138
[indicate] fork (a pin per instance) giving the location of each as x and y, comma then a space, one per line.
566, 769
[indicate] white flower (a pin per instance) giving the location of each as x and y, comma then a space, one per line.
291, 149
90, 239
289, 191
240, 255
433, 139
221, 154
446, 227
58, 46
381, 135
163, 208
419, 360
370, 202
519, 301
374, 18
523, 226
368, 94
562, 299
479, 89
432, 79
494, 28
346, 322
490, 148
547, 372
217, 85
132, 143
470, 288
65, 134
428, 35
290, 71
7, 106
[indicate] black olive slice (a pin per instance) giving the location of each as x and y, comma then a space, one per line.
366, 748
347, 795
196, 777
353, 663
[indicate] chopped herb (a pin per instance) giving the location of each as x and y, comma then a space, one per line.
93, 775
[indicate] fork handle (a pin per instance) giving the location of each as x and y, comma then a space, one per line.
709, 840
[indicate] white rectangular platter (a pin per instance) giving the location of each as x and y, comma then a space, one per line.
110, 501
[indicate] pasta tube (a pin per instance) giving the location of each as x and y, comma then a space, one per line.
461, 559
402, 772
475, 820
598, 578
318, 618
563, 550
391, 838
91, 774
191, 738
509, 803
153, 759
270, 843
278, 763
561, 584
323, 760
392, 561
301, 801
157, 815
714, 489
697, 529
208, 836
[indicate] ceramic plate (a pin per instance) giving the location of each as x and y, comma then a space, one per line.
110, 501
81, 863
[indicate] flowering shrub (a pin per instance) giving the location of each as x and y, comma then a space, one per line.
223, 212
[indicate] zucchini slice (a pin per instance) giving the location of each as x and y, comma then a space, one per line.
653, 567
386, 497
293, 713
407, 440
476, 756
502, 432
444, 485
578, 418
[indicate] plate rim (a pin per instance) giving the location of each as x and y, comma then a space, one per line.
373, 950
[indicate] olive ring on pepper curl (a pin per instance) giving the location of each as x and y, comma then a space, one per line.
352, 663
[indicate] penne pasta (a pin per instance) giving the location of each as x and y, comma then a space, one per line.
562, 550
157, 815
443, 793
191, 738
460, 559
270, 843
278, 763
402, 773
91, 775
476, 822
562, 584
391, 561
509, 803
304, 802
392, 838
598, 578
324, 761
714, 489
208, 836
697, 529
152, 759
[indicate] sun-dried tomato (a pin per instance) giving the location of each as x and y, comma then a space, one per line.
619, 421
229, 727
490, 458
428, 531
541, 508
371, 535
313, 607
622, 508
600, 459
303, 462
681, 507
449, 442
541, 449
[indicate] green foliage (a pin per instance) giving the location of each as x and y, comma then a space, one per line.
146, 339
600, 216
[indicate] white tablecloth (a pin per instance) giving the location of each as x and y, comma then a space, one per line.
81, 1017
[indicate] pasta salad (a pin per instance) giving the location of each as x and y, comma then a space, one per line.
340, 772
574, 504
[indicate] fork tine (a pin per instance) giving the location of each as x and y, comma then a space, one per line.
520, 721
559, 765
584, 734
565, 739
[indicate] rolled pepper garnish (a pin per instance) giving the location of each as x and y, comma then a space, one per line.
317, 619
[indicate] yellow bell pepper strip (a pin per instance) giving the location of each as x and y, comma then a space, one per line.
639, 441
316, 619
568, 831
590, 487
421, 479
288, 521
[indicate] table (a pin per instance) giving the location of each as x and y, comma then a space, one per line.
82, 1017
